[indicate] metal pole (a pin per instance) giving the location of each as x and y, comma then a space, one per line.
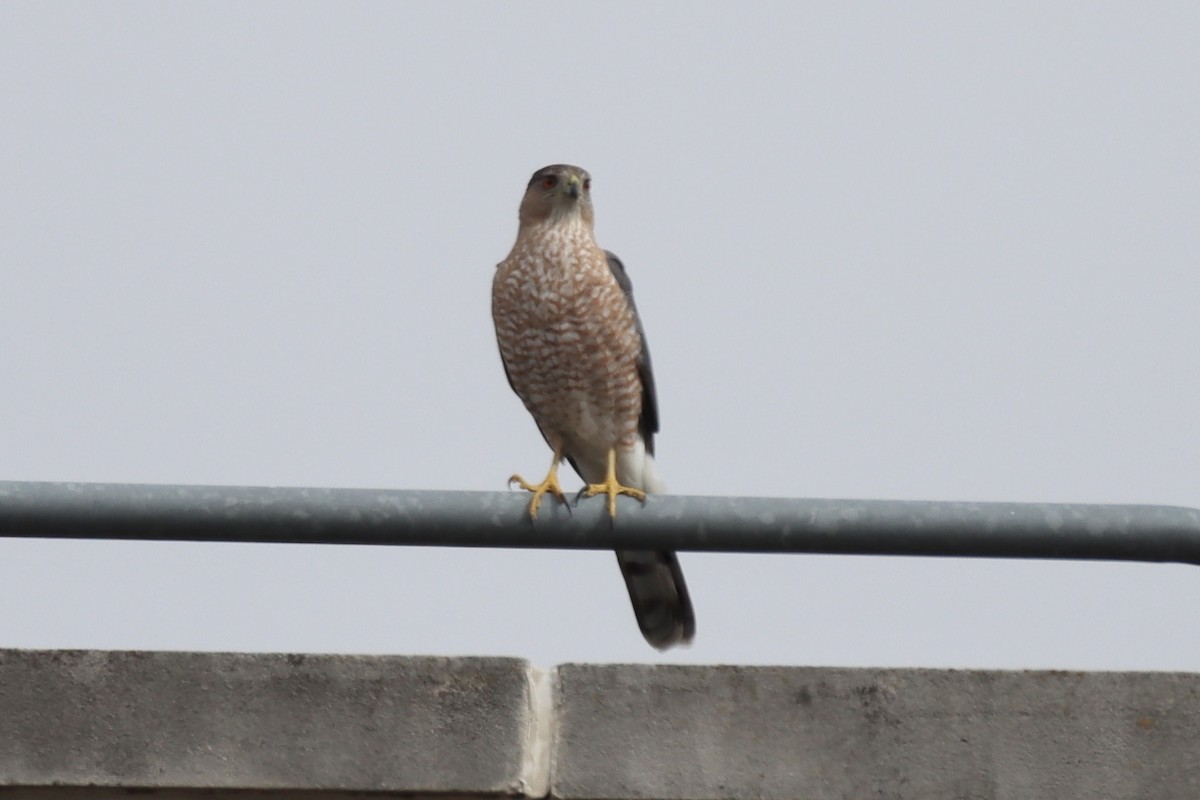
499, 519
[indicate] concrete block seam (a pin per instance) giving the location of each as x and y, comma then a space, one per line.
539, 733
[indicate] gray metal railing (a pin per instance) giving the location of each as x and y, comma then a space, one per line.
499, 519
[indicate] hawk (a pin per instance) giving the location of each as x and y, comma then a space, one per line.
575, 353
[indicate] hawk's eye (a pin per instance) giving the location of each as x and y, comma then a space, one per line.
549, 182
587, 184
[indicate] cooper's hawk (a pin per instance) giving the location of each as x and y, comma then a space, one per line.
574, 352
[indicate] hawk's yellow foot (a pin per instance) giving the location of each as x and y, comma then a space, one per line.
611, 487
549, 486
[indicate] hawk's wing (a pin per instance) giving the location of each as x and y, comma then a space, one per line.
653, 578
648, 423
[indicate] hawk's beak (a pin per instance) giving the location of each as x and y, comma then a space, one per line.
573, 186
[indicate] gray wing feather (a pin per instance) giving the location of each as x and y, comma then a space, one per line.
653, 578
648, 423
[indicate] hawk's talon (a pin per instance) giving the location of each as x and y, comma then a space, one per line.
549, 486
611, 487
612, 490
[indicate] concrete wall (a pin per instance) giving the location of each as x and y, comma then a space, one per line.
182, 725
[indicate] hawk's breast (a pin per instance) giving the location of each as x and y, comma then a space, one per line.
569, 340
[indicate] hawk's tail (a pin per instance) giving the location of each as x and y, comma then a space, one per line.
660, 596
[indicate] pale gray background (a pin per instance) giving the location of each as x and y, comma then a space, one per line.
944, 252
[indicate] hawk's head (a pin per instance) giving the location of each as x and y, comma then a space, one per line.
558, 192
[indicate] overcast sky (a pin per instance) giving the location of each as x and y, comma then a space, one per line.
944, 252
